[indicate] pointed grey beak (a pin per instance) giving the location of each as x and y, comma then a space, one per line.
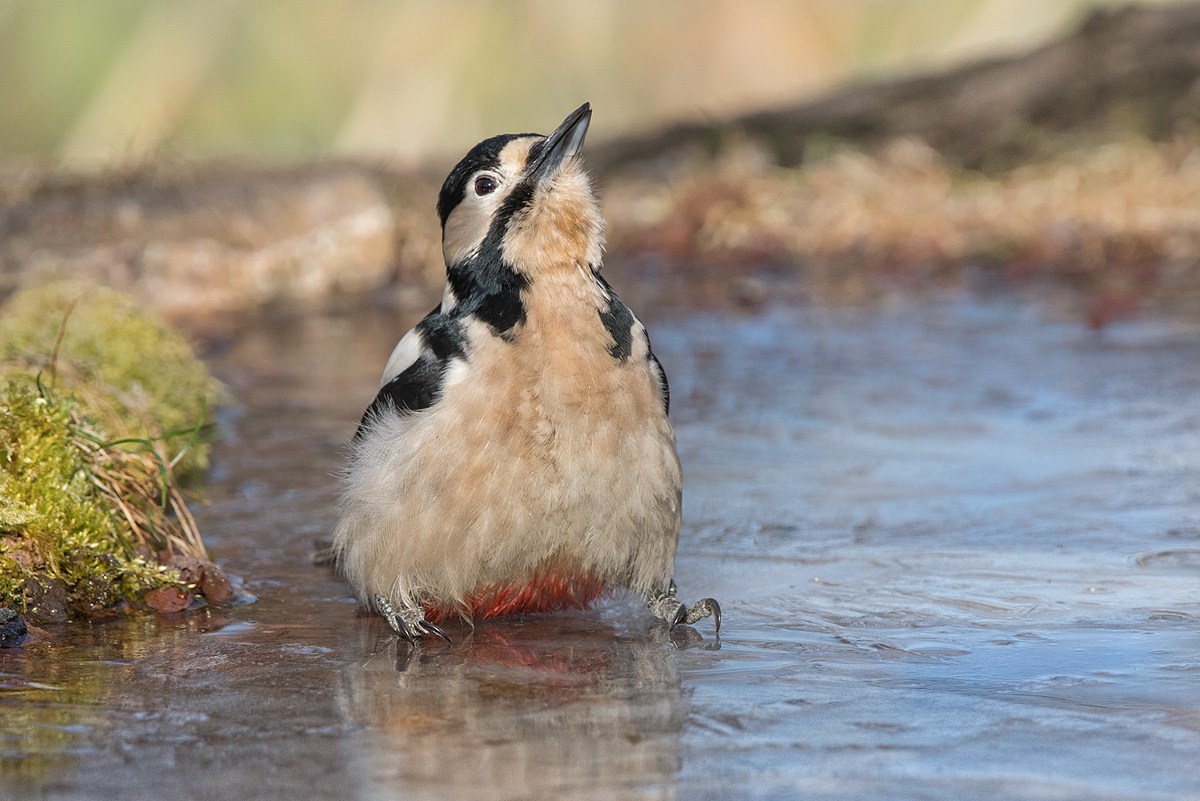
563, 144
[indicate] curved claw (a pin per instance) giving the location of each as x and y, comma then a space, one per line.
392, 617
428, 628
680, 616
705, 607
400, 627
409, 623
666, 608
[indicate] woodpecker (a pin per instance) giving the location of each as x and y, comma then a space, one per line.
518, 456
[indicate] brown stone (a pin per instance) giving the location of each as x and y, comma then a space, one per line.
1122, 68
24, 551
233, 238
168, 600
215, 586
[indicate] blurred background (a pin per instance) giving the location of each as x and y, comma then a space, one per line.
216, 155
924, 274
88, 83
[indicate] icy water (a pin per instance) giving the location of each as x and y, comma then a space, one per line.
957, 546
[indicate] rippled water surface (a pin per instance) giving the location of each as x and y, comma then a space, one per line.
957, 546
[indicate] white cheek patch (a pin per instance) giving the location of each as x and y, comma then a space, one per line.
406, 352
466, 228
468, 225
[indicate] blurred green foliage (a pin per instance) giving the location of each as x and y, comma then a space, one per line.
136, 377
91, 391
90, 81
56, 525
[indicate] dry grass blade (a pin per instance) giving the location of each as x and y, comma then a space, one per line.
134, 482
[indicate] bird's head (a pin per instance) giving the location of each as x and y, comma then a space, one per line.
522, 202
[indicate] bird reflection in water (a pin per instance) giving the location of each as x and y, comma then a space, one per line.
529, 706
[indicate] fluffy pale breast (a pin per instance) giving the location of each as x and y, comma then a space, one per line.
548, 468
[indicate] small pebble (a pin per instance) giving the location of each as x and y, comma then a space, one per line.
168, 600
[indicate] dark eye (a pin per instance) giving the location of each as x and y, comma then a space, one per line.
485, 185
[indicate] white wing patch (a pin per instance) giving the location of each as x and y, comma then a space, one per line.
407, 351
449, 301
456, 370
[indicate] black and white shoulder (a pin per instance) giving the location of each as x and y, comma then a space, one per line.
630, 338
416, 371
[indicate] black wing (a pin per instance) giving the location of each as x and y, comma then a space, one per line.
419, 385
619, 322
413, 390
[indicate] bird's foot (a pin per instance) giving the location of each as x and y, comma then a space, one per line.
665, 606
408, 622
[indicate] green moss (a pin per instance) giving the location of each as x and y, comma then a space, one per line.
12, 582
45, 483
135, 376
56, 524
90, 449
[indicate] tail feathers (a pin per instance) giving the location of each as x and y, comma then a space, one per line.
325, 553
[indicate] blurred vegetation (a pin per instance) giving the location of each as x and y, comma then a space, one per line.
103, 81
137, 378
1117, 223
1075, 163
90, 392
63, 546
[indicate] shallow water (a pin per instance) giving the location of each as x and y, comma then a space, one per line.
957, 546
